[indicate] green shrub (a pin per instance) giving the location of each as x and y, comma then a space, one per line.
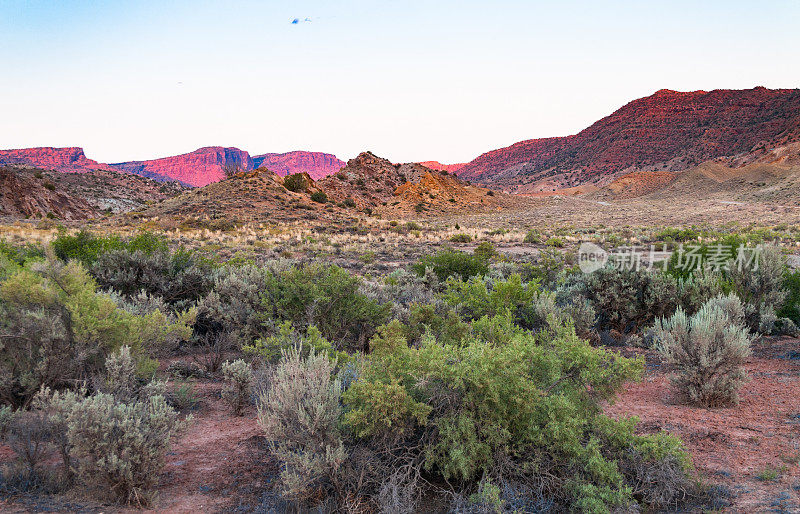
20, 254
299, 413
87, 247
179, 278
684, 261
437, 321
349, 202
319, 197
449, 263
234, 305
532, 237
296, 183
708, 350
57, 406
699, 287
238, 376
485, 251
326, 297
58, 330
791, 306
477, 297
270, 349
760, 287
548, 268
555, 242
461, 238
459, 409
674, 234
624, 300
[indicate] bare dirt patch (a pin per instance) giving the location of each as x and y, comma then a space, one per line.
752, 449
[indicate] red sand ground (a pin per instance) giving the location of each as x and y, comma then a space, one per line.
731, 446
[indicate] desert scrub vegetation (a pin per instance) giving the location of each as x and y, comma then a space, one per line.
708, 350
238, 376
296, 183
504, 406
112, 442
469, 377
57, 329
78, 365
299, 413
448, 263
460, 238
86, 247
624, 300
319, 197
179, 278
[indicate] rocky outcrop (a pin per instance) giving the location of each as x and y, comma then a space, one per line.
27, 194
317, 164
198, 168
369, 180
667, 131
373, 184
68, 160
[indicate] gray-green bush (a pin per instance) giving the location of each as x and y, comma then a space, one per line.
299, 413
708, 350
238, 376
760, 286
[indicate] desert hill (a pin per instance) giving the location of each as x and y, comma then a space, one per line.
376, 185
249, 196
667, 131
86, 192
27, 194
368, 184
771, 177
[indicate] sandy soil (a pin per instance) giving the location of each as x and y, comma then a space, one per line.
213, 460
732, 446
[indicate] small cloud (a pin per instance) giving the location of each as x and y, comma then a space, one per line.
297, 21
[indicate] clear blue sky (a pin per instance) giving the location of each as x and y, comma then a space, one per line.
409, 80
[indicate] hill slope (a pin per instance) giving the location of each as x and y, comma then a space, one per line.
367, 184
26, 194
667, 131
374, 184
772, 178
251, 196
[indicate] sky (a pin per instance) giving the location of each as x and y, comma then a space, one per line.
408, 80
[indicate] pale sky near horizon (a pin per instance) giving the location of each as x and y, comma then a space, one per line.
408, 80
